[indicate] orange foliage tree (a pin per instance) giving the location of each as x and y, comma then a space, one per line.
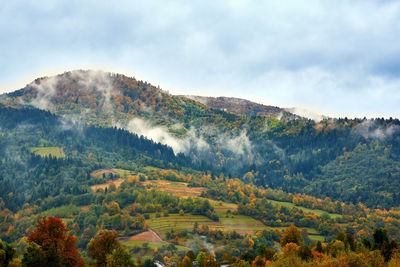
59, 248
102, 245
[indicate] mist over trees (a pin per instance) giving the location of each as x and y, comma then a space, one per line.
111, 158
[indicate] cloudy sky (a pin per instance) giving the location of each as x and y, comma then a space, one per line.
339, 58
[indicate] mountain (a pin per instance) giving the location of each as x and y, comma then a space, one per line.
172, 174
232, 136
105, 99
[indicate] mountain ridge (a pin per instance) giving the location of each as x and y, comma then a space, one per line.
244, 107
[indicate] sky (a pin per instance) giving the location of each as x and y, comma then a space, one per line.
338, 58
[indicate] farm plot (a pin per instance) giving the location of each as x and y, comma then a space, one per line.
239, 223
148, 236
175, 188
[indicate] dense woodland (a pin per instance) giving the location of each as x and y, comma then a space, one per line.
321, 193
50, 245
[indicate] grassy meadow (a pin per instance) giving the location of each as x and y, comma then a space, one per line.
48, 151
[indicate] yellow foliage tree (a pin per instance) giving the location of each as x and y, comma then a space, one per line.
292, 235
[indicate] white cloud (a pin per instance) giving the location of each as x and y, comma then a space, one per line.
46, 90
370, 129
238, 148
156, 133
161, 135
240, 145
306, 113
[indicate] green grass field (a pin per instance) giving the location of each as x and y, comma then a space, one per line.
240, 223
306, 210
47, 151
222, 207
312, 231
66, 211
122, 173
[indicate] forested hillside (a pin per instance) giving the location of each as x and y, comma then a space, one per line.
27, 177
107, 158
295, 155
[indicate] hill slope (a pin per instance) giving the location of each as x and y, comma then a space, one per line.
296, 155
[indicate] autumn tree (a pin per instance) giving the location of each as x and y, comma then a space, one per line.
186, 262
103, 245
58, 247
258, 261
209, 261
292, 235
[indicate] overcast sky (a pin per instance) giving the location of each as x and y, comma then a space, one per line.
335, 57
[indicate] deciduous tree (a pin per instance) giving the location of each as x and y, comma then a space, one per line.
102, 245
292, 235
57, 246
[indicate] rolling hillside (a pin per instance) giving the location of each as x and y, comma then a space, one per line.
210, 180
231, 136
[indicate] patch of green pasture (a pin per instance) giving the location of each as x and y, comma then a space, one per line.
176, 222
122, 172
306, 210
240, 220
239, 223
311, 231
47, 151
151, 245
66, 211
222, 207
